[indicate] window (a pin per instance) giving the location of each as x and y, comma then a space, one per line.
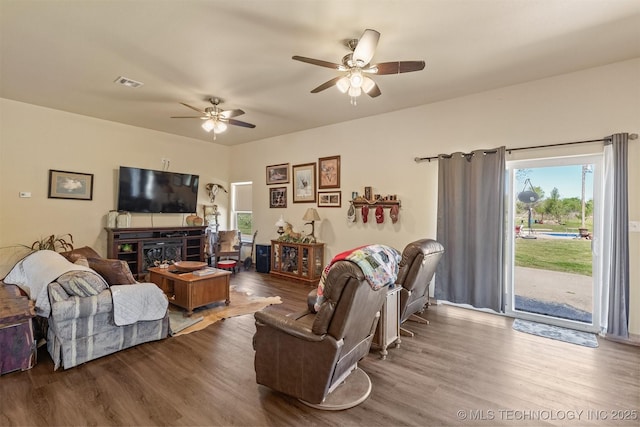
241, 203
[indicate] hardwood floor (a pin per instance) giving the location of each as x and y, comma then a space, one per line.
465, 368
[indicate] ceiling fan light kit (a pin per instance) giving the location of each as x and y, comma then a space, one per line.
214, 125
357, 63
216, 119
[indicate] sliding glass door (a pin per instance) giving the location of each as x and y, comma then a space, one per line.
554, 239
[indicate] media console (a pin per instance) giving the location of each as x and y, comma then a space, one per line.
142, 248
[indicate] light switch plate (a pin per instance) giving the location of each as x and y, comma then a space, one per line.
634, 226
25, 194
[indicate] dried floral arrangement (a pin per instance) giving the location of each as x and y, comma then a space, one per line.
60, 243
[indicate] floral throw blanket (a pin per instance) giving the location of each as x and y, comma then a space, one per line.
379, 264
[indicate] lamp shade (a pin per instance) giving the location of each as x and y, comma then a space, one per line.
208, 125
219, 126
343, 84
356, 78
311, 215
280, 222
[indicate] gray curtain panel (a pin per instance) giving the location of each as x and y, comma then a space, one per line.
618, 317
471, 197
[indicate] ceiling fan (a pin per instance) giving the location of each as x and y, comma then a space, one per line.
356, 65
216, 119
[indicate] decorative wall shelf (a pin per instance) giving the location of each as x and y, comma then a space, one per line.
360, 202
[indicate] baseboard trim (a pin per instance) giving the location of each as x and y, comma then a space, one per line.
634, 339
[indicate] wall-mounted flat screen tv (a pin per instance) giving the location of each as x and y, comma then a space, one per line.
151, 191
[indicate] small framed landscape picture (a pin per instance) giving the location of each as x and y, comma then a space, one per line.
304, 183
278, 197
329, 172
278, 174
70, 185
329, 199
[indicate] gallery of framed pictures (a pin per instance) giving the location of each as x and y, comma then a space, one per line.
70, 185
304, 183
278, 197
329, 172
329, 199
278, 174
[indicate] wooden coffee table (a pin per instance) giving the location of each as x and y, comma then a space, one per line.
189, 291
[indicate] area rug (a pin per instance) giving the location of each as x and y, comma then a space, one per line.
554, 309
585, 339
242, 302
178, 322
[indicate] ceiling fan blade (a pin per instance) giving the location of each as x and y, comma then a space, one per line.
189, 117
240, 123
326, 85
370, 87
317, 62
231, 113
193, 108
366, 46
397, 67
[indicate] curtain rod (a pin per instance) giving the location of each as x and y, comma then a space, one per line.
509, 150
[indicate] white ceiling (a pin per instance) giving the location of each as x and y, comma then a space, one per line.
66, 54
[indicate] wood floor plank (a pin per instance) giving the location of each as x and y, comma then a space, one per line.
464, 368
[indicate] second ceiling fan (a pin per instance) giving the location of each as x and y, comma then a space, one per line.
356, 67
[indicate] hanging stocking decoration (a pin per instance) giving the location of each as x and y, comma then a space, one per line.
379, 215
351, 213
394, 213
365, 214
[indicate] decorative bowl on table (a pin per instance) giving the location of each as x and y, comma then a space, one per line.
189, 265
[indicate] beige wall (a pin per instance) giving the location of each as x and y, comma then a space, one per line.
379, 152
35, 139
376, 151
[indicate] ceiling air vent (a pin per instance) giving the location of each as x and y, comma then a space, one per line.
127, 82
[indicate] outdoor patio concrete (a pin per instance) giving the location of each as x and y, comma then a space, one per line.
553, 286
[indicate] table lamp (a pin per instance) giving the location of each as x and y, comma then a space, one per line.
312, 216
280, 224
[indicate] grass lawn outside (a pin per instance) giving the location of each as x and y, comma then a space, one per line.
566, 255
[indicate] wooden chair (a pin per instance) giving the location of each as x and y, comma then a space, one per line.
229, 246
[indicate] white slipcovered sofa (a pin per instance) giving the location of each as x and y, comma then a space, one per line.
94, 306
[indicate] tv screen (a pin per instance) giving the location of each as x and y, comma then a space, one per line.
151, 191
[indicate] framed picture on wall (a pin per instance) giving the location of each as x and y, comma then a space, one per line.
278, 197
278, 174
70, 185
304, 183
329, 172
329, 199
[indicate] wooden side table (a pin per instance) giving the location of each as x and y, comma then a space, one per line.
388, 330
17, 346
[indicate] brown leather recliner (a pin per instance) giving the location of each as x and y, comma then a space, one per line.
310, 355
417, 267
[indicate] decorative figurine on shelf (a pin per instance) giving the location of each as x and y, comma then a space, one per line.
367, 193
290, 235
